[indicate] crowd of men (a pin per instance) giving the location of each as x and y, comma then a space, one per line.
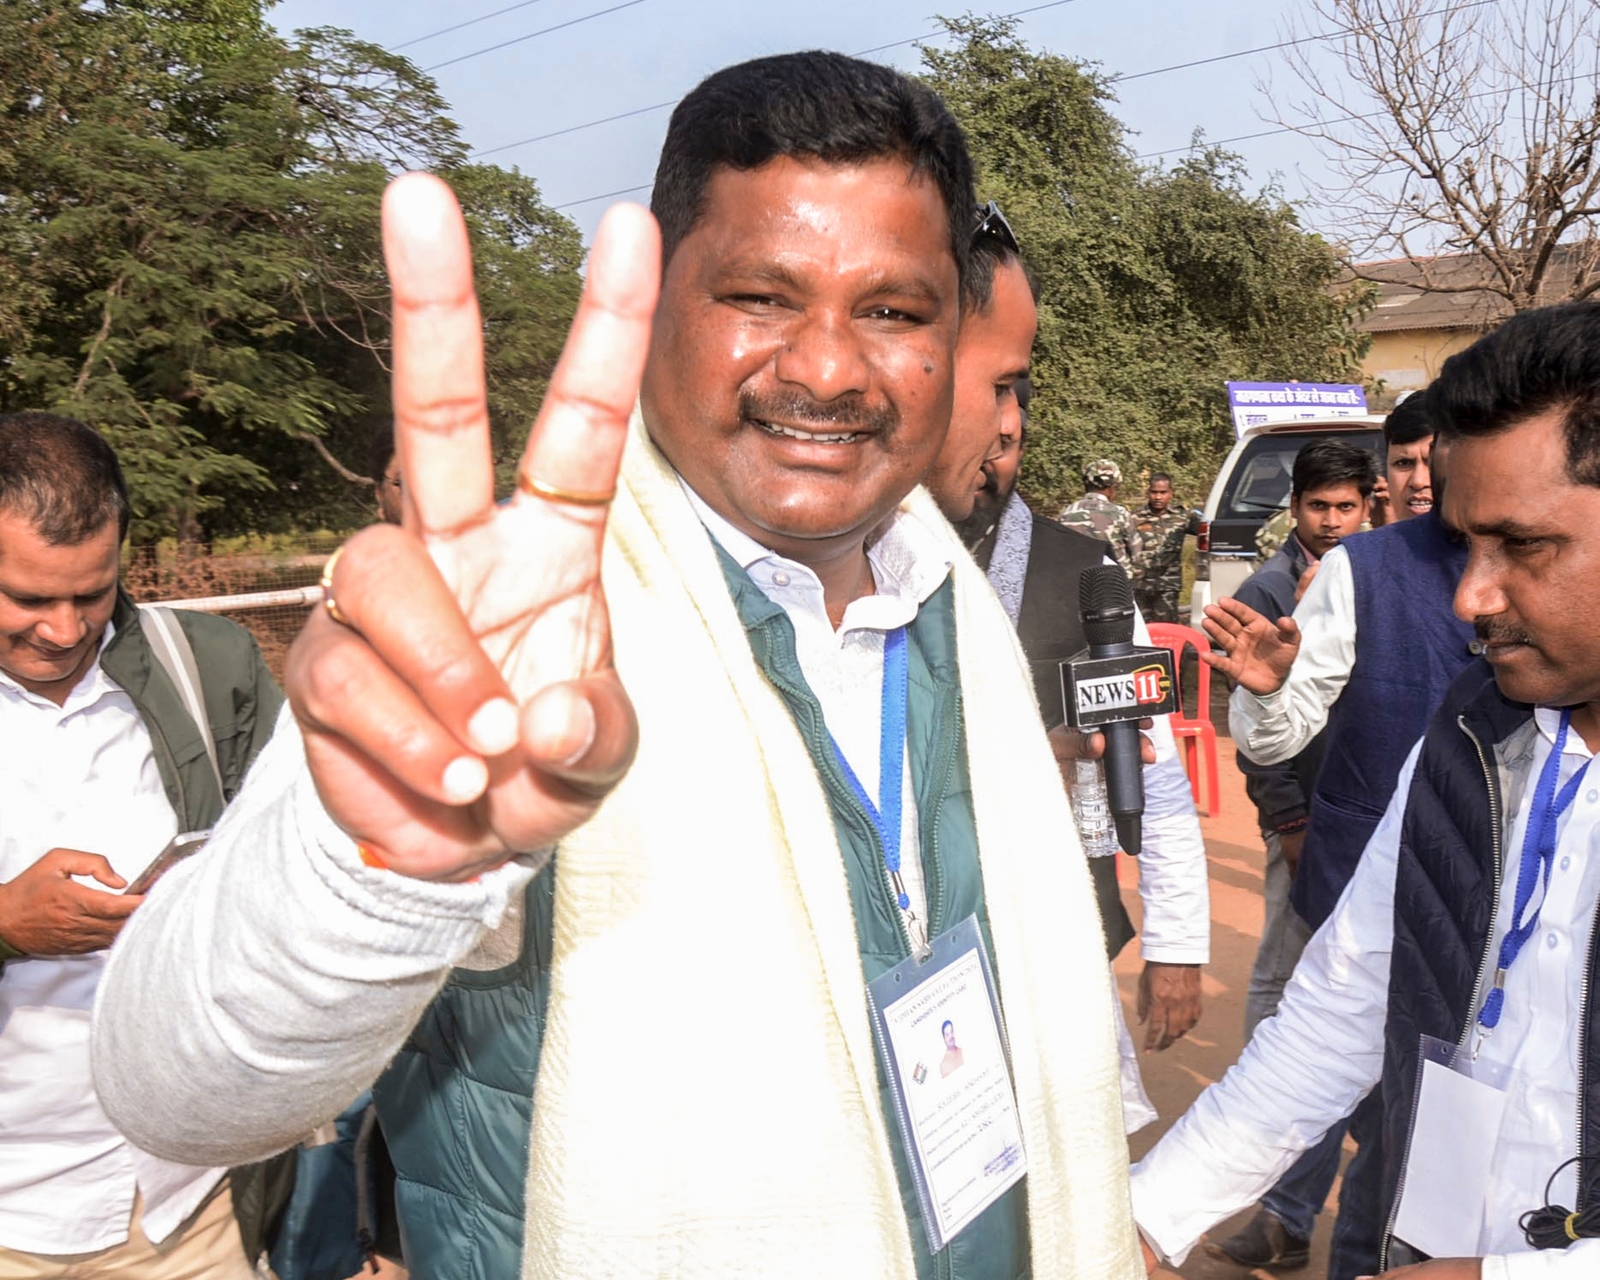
681, 851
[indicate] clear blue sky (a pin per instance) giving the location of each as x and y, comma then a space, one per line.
652, 51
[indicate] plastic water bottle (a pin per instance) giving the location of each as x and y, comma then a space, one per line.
1092, 810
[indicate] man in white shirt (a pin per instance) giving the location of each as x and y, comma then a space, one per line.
784, 745
1369, 653
993, 353
101, 767
1471, 917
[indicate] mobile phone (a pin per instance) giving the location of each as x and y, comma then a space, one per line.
178, 848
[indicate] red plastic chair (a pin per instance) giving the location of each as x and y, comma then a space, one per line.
1197, 734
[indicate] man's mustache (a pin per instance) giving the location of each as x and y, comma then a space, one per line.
1498, 631
847, 413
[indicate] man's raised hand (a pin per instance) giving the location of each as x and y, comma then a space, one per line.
458, 699
1256, 653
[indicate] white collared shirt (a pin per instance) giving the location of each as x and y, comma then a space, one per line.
844, 667
1308, 1067
1281, 725
78, 776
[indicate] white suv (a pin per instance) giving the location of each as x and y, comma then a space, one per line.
1253, 486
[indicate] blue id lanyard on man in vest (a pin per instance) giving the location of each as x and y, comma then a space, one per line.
887, 813
1538, 855
1461, 1098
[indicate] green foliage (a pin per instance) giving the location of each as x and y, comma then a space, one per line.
190, 260
1157, 285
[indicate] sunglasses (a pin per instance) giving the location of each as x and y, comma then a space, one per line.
991, 222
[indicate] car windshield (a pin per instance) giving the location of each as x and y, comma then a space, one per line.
1259, 485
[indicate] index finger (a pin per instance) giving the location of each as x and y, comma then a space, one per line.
441, 408
577, 443
1238, 609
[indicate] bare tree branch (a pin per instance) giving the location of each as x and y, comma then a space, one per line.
1466, 137
322, 450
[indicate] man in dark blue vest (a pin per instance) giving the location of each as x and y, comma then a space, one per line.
1367, 657
1486, 850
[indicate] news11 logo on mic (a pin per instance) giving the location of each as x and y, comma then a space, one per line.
1111, 685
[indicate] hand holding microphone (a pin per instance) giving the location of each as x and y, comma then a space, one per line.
1113, 687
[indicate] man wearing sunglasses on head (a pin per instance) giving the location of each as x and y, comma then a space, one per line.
1034, 564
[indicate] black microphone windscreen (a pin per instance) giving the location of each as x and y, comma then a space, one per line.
1105, 598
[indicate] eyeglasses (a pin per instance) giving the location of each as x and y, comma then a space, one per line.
991, 222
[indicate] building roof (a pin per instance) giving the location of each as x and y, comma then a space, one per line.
1403, 305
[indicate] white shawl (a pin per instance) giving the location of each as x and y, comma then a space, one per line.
707, 1101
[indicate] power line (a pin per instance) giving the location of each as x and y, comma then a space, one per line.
1270, 133
895, 44
662, 106
1283, 44
608, 195
470, 22
533, 35
1138, 75
577, 128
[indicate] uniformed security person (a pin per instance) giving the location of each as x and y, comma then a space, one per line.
1097, 513
1158, 568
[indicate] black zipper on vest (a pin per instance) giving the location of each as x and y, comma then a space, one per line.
1583, 1063
1496, 822
940, 771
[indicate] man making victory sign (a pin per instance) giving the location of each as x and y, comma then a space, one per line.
709, 727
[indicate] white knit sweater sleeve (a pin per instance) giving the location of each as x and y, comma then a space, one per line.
270, 979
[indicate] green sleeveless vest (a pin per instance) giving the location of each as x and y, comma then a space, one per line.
457, 1102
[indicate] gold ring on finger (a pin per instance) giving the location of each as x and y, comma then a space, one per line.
328, 602
536, 488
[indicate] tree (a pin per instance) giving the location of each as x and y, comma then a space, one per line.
189, 253
1461, 129
1157, 286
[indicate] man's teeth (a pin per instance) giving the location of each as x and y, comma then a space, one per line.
843, 437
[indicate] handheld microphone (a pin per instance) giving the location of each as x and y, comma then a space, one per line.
1113, 685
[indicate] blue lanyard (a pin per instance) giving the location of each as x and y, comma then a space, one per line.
891, 759
1538, 854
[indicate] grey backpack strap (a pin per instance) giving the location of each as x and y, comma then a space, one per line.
172, 650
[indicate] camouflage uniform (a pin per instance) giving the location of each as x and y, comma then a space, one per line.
1099, 517
1272, 535
1158, 569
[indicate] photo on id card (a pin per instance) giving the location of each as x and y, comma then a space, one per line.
939, 1032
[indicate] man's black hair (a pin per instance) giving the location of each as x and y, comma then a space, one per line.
1409, 421
61, 476
380, 452
838, 109
1160, 475
1329, 462
1536, 362
988, 256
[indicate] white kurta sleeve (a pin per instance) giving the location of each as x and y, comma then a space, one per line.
267, 981
1173, 882
1279, 726
1302, 1072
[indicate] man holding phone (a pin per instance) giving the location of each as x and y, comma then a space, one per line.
103, 766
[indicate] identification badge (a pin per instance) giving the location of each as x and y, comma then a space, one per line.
943, 1047
1454, 1134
